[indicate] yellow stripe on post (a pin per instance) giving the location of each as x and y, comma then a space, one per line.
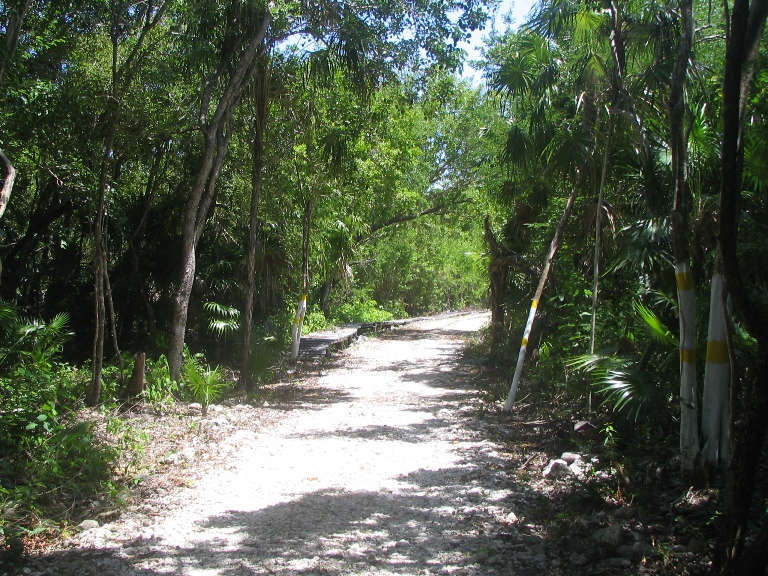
524, 344
688, 356
717, 352
535, 304
684, 281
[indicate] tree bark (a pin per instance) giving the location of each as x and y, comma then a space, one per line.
12, 35
239, 71
747, 25
10, 177
497, 276
254, 238
121, 80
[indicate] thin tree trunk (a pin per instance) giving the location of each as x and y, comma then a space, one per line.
149, 194
113, 323
94, 391
254, 238
497, 276
12, 35
553, 247
301, 310
122, 77
10, 176
715, 405
689, 439
599, 233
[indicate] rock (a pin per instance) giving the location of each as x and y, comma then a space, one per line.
576, 470
578, 559
555, 469
610, 535
570, 457
402, 544
335, 553
511, 518
195, 408
586, 430
635, 551
615, 563
88, 525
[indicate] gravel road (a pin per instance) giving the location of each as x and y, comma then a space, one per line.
385, 469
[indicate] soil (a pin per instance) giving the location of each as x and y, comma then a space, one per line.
384, 460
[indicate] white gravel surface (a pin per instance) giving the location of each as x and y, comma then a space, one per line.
385, 471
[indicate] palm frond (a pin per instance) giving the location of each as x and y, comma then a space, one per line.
655, 327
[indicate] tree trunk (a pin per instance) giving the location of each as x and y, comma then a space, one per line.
301, 310
689, 440
599, 233
537, 296
750, 395
12, 35
715, 405
497, 276
136, 383
216, 133
254, 239
122, 77
10, 177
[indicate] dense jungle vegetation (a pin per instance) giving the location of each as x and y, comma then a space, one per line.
178, 175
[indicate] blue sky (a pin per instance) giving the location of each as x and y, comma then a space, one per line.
518, 9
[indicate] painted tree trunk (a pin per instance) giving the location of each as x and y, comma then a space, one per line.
689, 426
715, 405
537, 297
686, 295
298, 324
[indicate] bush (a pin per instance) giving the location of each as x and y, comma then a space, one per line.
48, 456
361, 310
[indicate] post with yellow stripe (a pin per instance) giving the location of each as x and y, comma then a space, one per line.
521, 357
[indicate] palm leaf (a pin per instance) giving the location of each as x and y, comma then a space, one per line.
656, 328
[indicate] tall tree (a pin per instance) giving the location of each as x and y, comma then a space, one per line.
733, 556
243, 44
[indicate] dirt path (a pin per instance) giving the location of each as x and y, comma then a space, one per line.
383, 471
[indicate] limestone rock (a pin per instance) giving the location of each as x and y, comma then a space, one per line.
88, 525
555, 469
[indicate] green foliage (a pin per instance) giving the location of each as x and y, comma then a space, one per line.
315, 320
206, 384
49, 458
224, 319
362, 310
160, 388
